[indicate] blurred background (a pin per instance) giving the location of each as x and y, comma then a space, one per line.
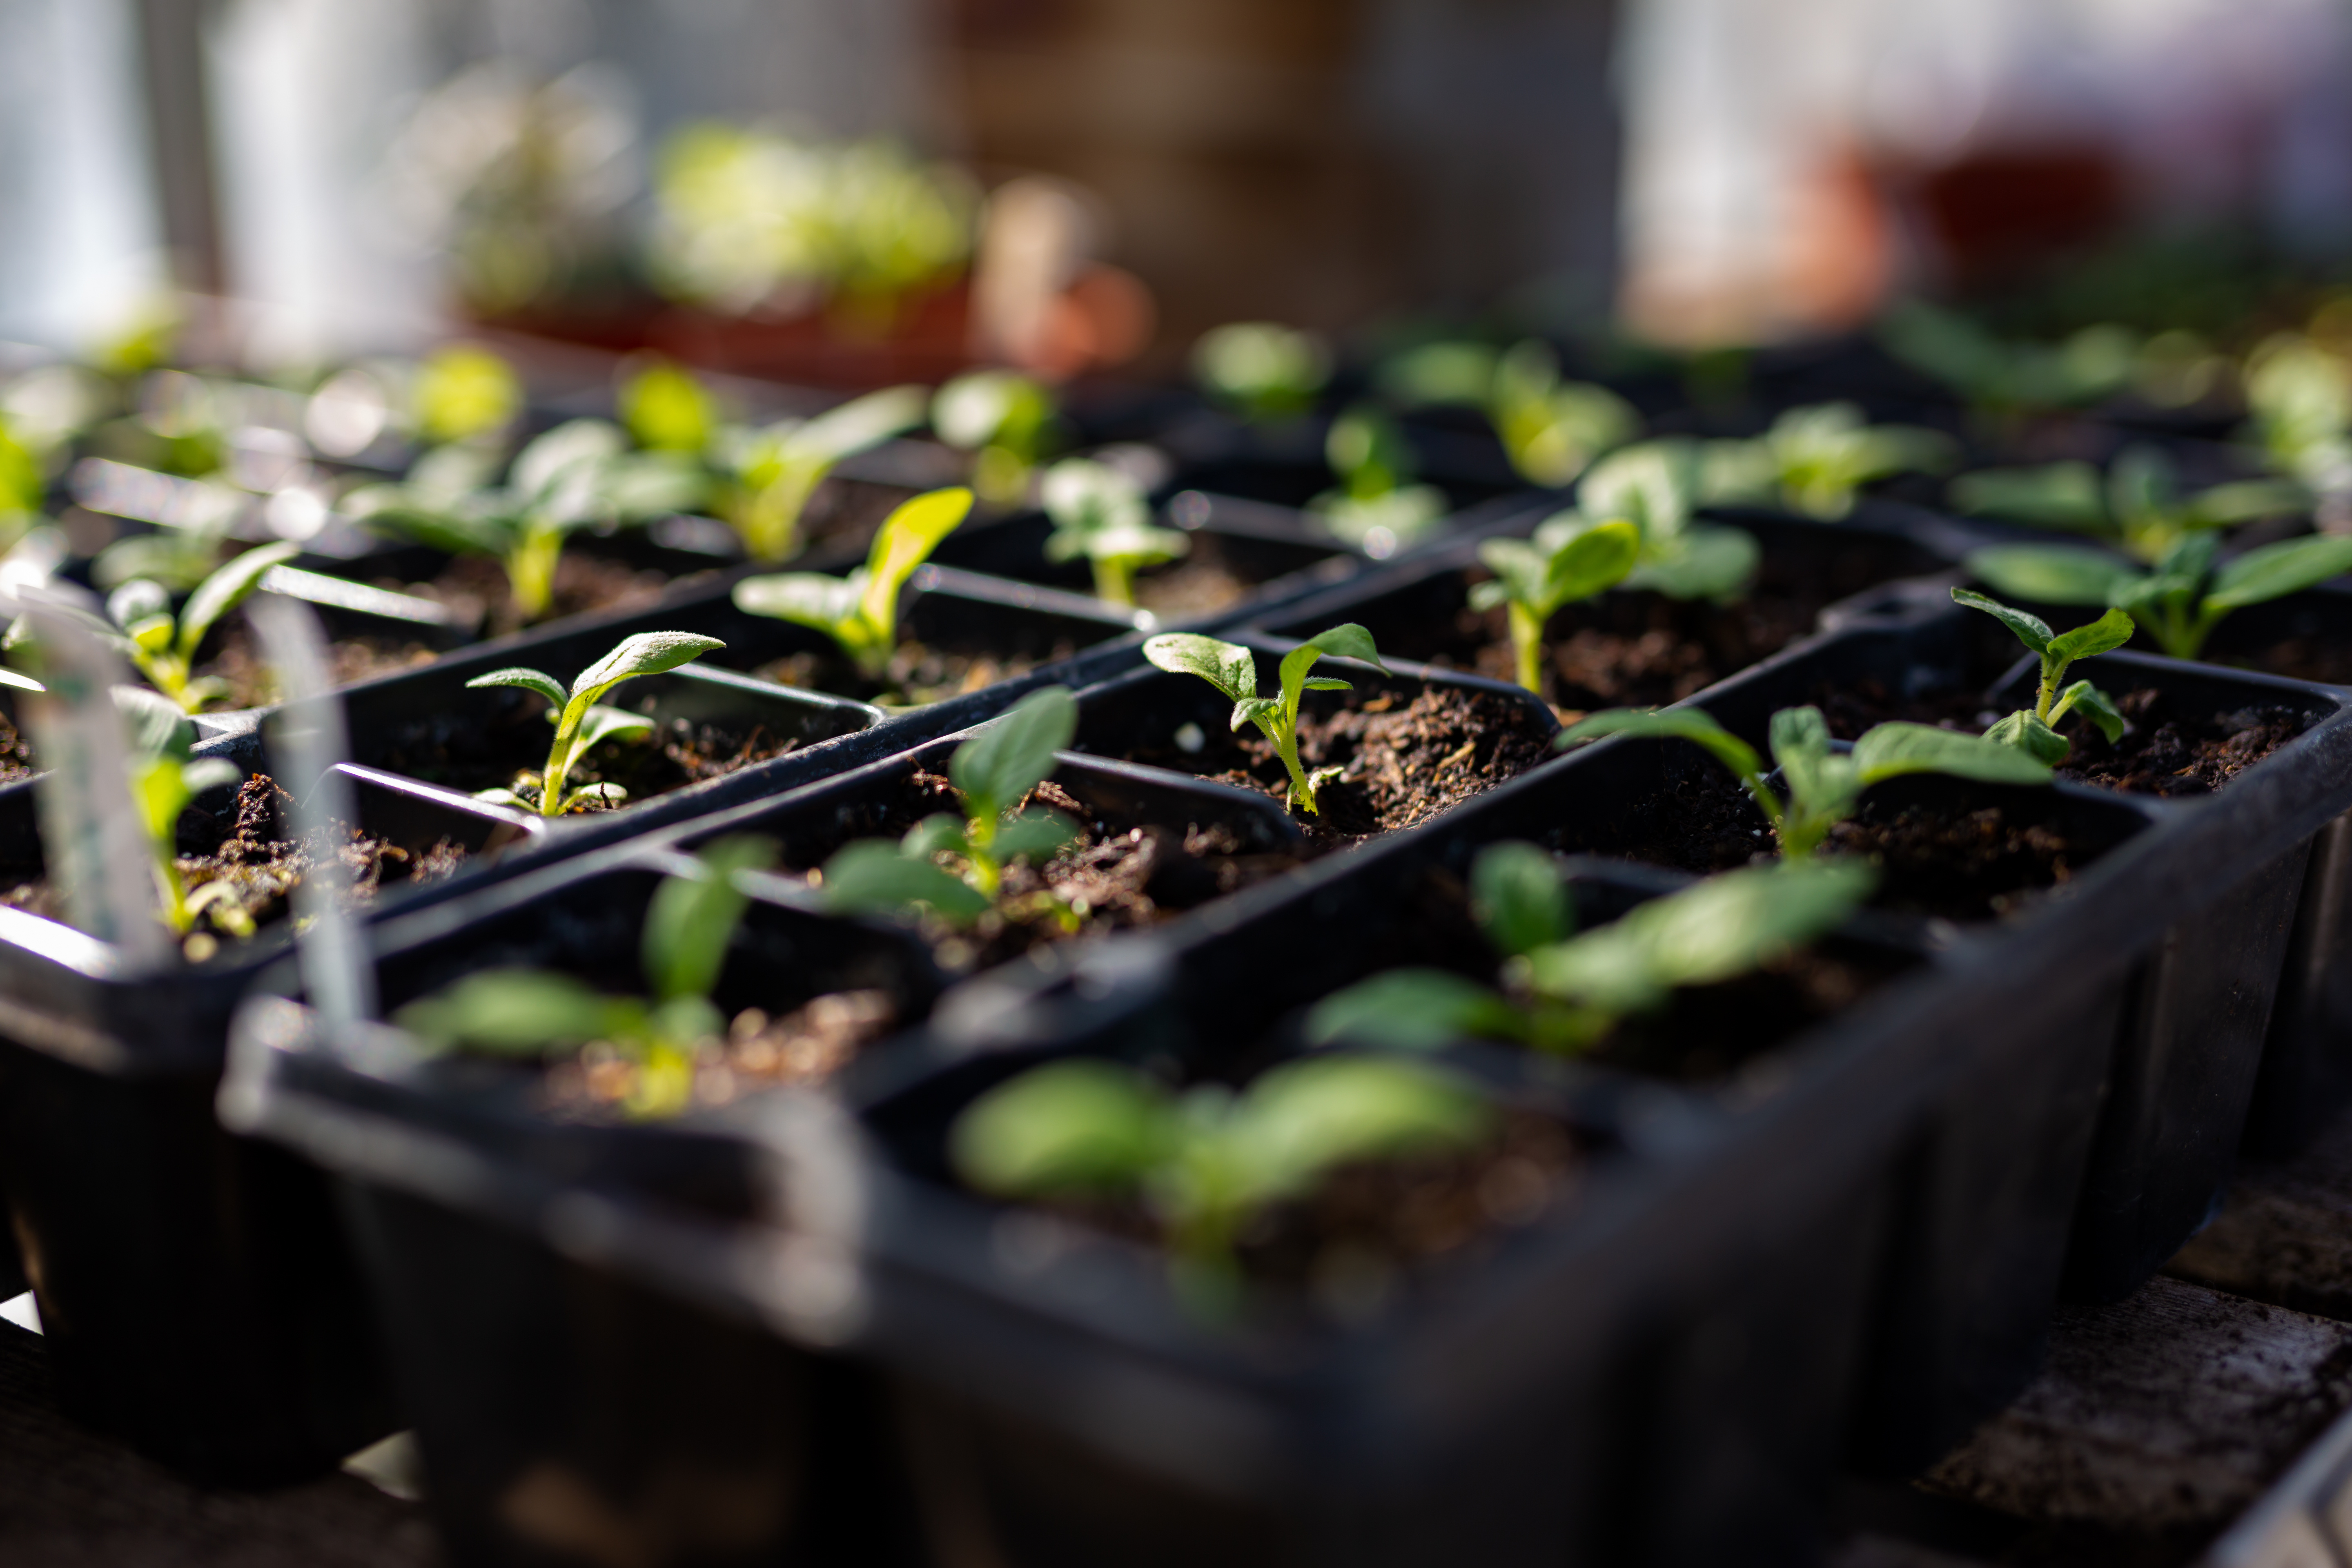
844, 191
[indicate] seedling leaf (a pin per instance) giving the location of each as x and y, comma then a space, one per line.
1228, 667
908, 535
1413, 1009
2107, 634
1890, 751
1694, 724
2054, 574
646, 653
2032, 630
1075, 1126
691, 917
1035, 835
1012, 755
1517, 894
546, 685
510, 1012
2273, 571
227, 588
872, 877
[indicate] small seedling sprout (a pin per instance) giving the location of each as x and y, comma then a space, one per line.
683, 947
1101, 514
860, 612
2035, 732
1823, 786
1551, 429
1569, 559
1375, 507
1208, 1161
2138, 505
776, 470
164, 779
2004, 379
1232, 670
2183, 599
1814, 460
163, 647
1564, 993
2301, 398
1261, 369
666, 409
464, 392
1004, 420
955, 867
582, 721
1658, 486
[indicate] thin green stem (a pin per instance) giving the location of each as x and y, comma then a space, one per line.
1527, 644
1302, 793
1115, 580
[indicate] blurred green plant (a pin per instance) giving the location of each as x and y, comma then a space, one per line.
2004, 379
1375, 507
1100, 514
2182, 599
1261, 370
464, 391
1006, 421
682, 949
1814, 460
582, 721
860, 612
2138, 505
1658, 487
1563, 991
163, 647
772, 472
1571, 558
1551, 429
2035, 731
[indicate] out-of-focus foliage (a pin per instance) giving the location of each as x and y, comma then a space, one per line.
748, 217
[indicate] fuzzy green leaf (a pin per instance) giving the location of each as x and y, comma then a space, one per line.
1074, 1126
941, 833
2057, 495
646, 653
601, 723
546, 685
1520, 903
1703, 561
1595, 560
1263, 711
805, 599
908, 537
691, 917
2107, 634
2025, 732
155, 725
1228, 667
1413, 1009
2275, 571
1035, 835
1818, 778
542, 465
2032, 630
2054, 574
1012, 755
1890, 751
1304, 1117
872, 877
860, 423
2095, 705
512, 1012
227, 588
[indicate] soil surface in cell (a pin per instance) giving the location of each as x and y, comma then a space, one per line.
1206, 579
1630, 649
2168, 751
1344, 1249
1401, 761
492, 755
1114, 878
1954, 863
253, 684
801, 1049
242, 848
475, 588
16, 753
916, 673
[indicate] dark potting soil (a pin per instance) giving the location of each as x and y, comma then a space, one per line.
253, 684
1403, 761
1956, 864
801, 1049
1202, 582
1113, 879
1345, 1249
916, 674
1631, 650
15, 753
2167, 751
646, 763
242, 850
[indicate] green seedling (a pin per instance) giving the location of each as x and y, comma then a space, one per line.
1208, 1162
579, 474
531, 1013
2035, 732
775, 471
1814, 460
1261, 370
1564, 991
2183, 598
581, 720
955, 867
164, 780
464, 392
1004, 420
2301, 399
1658, 487
860, 612
1376, 506
1232, 669
1102, 516
1569, 559
2005, 379
665, 409
163, 647
2138, 505
1823, 786
1551, 429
